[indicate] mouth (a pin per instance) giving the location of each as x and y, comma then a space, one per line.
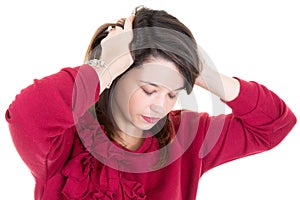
151, 120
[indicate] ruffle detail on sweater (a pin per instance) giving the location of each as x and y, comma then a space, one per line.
89, 179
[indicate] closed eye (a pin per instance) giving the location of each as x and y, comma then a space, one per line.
147, 92
172, 96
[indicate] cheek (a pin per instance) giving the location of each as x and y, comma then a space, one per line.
137, 103
170, 104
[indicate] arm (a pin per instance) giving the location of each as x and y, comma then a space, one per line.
41, 118
259, 120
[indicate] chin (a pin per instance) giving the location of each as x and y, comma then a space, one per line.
145, 127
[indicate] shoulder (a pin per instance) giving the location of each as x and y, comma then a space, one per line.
179, 115
188, 119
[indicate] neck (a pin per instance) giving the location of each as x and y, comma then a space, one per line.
128, 141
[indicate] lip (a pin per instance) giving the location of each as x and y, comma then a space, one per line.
151, 120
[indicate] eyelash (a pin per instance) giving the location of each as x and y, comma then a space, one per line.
147, 93
150, 93
172, 96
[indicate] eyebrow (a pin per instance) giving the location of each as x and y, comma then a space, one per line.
155, 85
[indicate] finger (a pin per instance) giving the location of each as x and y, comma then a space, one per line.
128, 22
121, 21
113, 30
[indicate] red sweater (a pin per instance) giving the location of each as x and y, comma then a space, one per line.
47, 117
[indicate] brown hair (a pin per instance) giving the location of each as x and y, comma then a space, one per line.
155, 34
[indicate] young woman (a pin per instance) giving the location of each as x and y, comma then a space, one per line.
106, 129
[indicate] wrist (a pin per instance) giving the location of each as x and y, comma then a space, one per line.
225, 87
104, 74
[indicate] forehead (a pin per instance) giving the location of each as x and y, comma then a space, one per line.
160, 72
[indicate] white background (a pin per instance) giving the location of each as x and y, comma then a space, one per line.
254, 40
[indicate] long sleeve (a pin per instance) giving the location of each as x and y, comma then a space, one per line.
259, 121
41, 118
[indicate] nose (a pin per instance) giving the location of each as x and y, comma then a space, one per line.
158, 109
158, 106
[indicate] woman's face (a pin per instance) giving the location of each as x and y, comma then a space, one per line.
145, 94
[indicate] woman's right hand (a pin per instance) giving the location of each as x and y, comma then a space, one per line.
115, 49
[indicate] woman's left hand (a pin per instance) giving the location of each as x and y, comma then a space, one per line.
225, 87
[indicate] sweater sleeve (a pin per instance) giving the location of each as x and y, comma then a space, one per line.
259, 121
41, 118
